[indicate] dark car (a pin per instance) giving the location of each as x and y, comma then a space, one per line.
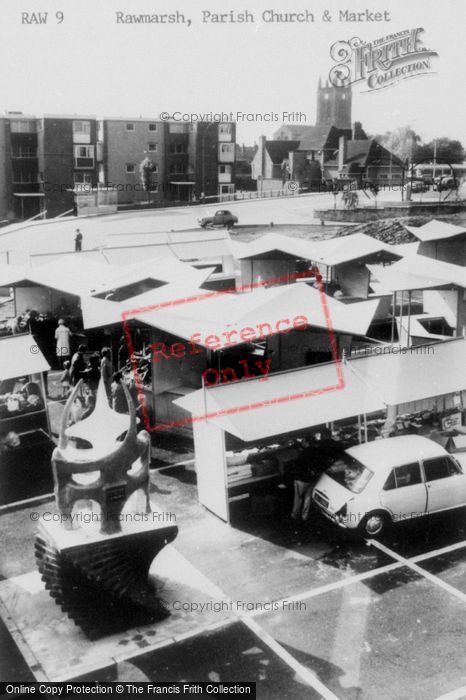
222, 217
419, 186
447, 182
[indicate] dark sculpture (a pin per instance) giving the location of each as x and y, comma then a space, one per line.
99, 576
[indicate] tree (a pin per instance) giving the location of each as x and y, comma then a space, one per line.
402, 142
447, 151
146, 168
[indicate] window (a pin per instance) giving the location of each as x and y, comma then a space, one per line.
129, 126
83, 178
152, 147
440, 468
226, 147
225, 129
153, 127
82, 131
177, 168
177, 147
84, 157
23, 126
23, 153
224, 169
24, 177
390, 483
130, 168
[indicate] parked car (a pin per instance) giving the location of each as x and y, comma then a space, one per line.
223, 217
446, 182
391, 480
419, 186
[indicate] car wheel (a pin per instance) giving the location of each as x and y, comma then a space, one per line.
374, 524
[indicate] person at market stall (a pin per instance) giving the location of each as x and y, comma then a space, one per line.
106, 371
78, 365
305, 474
119, 403
62, 337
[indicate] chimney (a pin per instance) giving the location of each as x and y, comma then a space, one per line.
341, 153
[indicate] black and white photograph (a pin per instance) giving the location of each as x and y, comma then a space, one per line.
233, 349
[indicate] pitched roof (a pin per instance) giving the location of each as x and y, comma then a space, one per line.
299, 399
184, 310
279, 150
19, 355
436, 231
333, 251
314, 138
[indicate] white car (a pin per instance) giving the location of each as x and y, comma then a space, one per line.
391, 480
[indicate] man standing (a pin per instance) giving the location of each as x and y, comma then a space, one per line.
304, 474
78, 241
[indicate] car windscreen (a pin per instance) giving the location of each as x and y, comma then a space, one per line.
350, 473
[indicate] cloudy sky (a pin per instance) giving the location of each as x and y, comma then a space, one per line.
90, 64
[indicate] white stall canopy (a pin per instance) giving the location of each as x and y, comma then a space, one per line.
20, 356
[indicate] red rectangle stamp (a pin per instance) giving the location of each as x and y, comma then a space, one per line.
223, 335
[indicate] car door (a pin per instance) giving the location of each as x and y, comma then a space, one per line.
404, 492
446, 483
219, 219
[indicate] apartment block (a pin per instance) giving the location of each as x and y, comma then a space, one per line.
125, 144
67, 158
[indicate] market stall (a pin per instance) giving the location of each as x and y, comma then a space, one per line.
241, 429
25, 440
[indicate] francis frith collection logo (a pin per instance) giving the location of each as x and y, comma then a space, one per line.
380, 63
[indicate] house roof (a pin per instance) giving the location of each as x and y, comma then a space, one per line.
313, 138
436, 231
279, 150
254, 409
18, 359
360, 151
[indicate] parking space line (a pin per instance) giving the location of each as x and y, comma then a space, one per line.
459, 694
342, 583
410, 564
246, 617
306, 674
438, 552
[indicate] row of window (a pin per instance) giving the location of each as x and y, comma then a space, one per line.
83, 155
83, 127
410, 474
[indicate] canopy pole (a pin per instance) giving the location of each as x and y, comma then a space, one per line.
365, 428
359, 429
393, 316
409, 319
400, 334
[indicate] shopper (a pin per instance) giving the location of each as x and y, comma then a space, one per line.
304, 475
62, 337
65, 379
78, 365
106, 371
119, 402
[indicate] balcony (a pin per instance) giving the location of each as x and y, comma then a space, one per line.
86, 163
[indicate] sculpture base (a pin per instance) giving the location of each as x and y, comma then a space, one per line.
58, 650
101, 581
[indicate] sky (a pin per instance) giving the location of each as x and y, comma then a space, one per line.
90, 64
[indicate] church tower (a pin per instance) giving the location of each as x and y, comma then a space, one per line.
333, 106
